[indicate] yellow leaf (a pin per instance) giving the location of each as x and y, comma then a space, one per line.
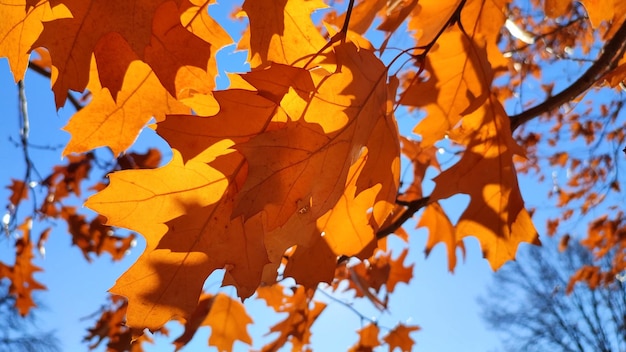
117, 123
20, 27
281, 32
459, 79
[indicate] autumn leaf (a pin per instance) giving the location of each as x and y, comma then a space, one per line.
599, 11
421, 159
399, 338
21, 25
20, 275
328, 137
111, 325
281, 32
430, 17
199, 242
95, 237
72, 41
440, 230
556, 8
296, 327
399, 273
368, 339
458, 85
19, 192
496, 214
362, 16
226, 317
116, 123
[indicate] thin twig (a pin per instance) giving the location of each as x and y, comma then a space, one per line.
351, 308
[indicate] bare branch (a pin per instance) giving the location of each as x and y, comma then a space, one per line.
611, 54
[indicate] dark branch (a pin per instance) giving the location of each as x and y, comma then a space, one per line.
399, 220
611, 54
40, 70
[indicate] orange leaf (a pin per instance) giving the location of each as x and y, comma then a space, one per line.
399, 338
296, 327
19, 191
496, 214
599, 11
430, 17
117, 123
226, 317
178, 57
440, 230
282, 160
556, 8
168, 277
399, 272
363, 14
421, 159
316, 147
20, 27
458, 85
21, 273
368, 339
273, 295
72, 41
281, 32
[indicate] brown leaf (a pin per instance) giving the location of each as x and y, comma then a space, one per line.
296, 327
19, 192
20, 275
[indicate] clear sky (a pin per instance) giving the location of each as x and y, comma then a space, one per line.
443, 304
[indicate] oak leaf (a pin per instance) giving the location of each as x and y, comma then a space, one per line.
226, 317
362, 16
281, 32
21, 25
116, 123
72, 41
296, 327
398, 272
157, 197
19, 191
399, 338
440, 230
21, 273
368, 339
496, 214
429, 17
460, 75
421, 159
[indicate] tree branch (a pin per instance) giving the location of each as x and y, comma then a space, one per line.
399, 220
33, 66
611, 53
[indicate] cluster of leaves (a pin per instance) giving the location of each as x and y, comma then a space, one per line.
295, 168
